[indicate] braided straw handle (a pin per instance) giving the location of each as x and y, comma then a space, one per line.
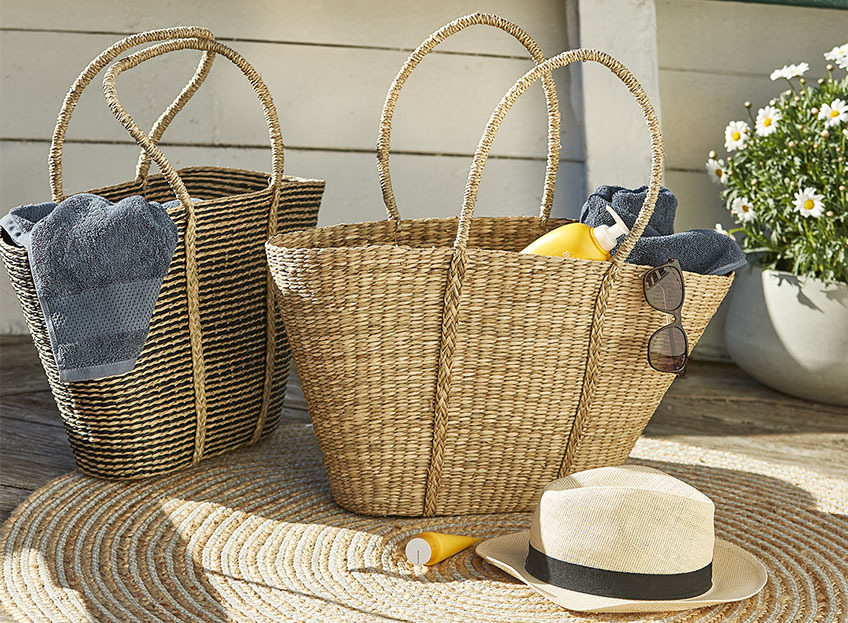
146, 142
552, 104
459, 265
94, 67
544, 69
142, 169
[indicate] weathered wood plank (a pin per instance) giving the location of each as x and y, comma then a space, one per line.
10, 497
720, 407
295, 403
683, 414
338, 112
20, 368
424, 185
377, 23
700, 205
20, 371
720, 382
324, 96
824, 453
23, 380
740, 37
32, 453
36, 407
17, 351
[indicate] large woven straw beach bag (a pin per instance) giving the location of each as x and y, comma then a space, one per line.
445, 372
212, 375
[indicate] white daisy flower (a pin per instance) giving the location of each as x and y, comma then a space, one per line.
717, 170
790, 71
834, 113
809, 203
735, 135
777, 74
838, 55
800, 69
767, 119
743, 210
723, 231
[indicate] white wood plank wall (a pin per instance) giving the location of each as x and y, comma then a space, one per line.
328, 65
713, 56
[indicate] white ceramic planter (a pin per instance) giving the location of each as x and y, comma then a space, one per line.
789, 334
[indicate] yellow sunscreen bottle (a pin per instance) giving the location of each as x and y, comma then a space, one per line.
579, 240
428, 548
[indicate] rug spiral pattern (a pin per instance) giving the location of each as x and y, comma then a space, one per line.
255, 536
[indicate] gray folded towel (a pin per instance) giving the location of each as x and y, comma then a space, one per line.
703, 251
98, 267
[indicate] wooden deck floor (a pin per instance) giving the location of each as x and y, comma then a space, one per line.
715, 406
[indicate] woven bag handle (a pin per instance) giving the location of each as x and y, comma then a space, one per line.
459, 264
552, 103
94, 67
545, 69
111, 92
142, 169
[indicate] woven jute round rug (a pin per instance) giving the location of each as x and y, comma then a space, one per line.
255, 536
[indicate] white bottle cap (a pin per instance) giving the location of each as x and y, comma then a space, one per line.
607, 235
418, 551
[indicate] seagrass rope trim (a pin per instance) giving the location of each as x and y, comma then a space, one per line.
192, 296
444, 379
269, 110
89, 73
551, 101
457, 269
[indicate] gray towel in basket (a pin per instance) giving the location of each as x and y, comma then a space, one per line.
703, 251
98, 267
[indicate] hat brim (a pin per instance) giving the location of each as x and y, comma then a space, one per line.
736, 575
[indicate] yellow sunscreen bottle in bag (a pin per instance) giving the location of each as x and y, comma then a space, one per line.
429, 548
580, 241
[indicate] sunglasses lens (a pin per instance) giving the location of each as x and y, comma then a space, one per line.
667, 349
664, 288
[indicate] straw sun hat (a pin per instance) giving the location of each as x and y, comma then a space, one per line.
626, 539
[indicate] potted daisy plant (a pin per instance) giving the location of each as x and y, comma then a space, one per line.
784, 182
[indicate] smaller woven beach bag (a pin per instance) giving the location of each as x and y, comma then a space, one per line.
447, 373
212, 375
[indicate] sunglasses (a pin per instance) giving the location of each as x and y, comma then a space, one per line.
668, 348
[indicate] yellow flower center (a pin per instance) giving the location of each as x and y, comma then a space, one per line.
736, 136
809, 204
834, 113
767, 121
718, 172
745, 207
